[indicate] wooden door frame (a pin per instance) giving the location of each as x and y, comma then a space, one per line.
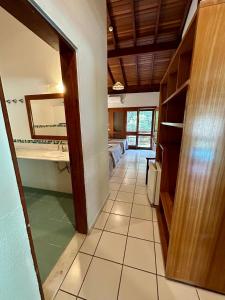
30, 15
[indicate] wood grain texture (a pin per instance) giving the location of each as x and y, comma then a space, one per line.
197, 243
72, 112
204, 3
28, 99
149, 30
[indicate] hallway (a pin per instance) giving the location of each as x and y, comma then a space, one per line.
121, 258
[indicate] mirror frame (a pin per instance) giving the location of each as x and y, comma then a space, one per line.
28, 99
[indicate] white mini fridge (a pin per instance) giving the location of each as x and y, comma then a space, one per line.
154, 179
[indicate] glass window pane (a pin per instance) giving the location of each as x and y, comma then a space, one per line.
144, 141
145, 121
131, 121
131, 139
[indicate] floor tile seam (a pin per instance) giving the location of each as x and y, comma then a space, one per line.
121, 264
130, 236
70, 266
93, 256
124, 252
64, 291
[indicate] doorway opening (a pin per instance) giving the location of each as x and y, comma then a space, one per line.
40, 25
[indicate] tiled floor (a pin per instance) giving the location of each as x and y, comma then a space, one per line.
52, 225
121, 258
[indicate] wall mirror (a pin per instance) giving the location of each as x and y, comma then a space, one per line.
46, 116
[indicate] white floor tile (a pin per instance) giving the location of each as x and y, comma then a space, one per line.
156, 232
141, 199
141, 229
154, 214
159, 260
115, 179
111, 246
131, 175
117, 224
141, 212
129, 181
101, 221
114, 186
112, 195
91, 242
206, 295
137, 285
140, 190
171, 290
64, 296
125, 197
76, 274
102, 280
141, 182
119, 173
121, 208
108, 206
127, 188
140, 254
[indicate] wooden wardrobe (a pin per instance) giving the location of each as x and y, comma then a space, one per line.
191, 151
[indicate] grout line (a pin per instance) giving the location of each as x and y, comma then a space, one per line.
72, 294
157, 284
70, 267
197, 294
93, 255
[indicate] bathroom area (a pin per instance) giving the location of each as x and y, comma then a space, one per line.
30, 73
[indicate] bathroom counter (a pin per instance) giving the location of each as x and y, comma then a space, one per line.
42, 154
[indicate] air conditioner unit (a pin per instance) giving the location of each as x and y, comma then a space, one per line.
154, 180
116, 99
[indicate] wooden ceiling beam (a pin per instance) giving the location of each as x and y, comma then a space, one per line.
186, 11
111, 23
136, 89
142, 49
134, 21
111, 75
157, 20
123, 72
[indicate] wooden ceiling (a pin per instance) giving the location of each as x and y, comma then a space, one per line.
144, 38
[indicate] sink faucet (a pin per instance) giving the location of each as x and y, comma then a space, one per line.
62, 147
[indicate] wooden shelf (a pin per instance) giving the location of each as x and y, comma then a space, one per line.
167, 204
179, 91
178, 125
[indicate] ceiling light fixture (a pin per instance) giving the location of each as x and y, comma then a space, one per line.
110, 29
118, 86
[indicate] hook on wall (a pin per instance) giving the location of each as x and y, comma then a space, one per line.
14, 100
8, 101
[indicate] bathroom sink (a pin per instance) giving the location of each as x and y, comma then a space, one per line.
54, 154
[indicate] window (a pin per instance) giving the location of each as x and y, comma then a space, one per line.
144, 141
145, 121
131, 121
131, 139
139, 128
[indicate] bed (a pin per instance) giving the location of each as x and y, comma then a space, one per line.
115, 152
122, 142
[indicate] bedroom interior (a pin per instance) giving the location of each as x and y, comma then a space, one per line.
113, 157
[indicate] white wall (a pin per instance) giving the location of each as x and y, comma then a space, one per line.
27, 66
136, 100
84, 23
18, 278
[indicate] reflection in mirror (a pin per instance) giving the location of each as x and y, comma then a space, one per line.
46, 114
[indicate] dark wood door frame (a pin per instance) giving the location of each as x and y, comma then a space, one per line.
38, 22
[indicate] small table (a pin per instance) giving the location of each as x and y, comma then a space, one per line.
147, 168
